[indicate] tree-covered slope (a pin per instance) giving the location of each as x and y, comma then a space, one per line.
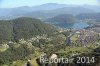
6, 31
23, 28
83, 16
63, 18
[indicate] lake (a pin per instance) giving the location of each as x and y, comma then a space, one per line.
77, 25
80, 25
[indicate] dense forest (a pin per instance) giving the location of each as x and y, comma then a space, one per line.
13, 54
63, 18
13, 30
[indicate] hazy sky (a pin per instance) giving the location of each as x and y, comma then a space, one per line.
17, 3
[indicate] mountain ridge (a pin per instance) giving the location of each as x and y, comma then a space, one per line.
47, 10
23, 28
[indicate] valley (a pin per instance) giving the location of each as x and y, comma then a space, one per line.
50, 31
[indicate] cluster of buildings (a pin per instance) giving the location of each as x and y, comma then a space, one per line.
83, 37
87, 37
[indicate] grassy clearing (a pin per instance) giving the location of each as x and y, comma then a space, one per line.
74, 38
3, 47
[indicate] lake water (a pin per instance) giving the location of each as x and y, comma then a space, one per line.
77, 25
80, 25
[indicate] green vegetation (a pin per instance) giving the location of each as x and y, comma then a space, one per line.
13, 30
24, 39
6, 31
4, 47
63, 18
13, 54
68, 51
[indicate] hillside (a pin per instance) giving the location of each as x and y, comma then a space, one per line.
11, 13
88, 16
44, 11
23, 28
45, 14
71, 10
63, 18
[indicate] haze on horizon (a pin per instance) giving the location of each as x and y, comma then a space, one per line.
19, 3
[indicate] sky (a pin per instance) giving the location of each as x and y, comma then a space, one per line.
18, 3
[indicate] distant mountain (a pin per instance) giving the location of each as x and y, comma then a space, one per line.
39, 15
63, 20
49, 6
72, 10
23, 28
45, 14
43, 11
84, 16
92, 7
26, 9
10, 11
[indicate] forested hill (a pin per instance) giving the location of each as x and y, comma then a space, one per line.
63, 18
88, 16
23, 28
